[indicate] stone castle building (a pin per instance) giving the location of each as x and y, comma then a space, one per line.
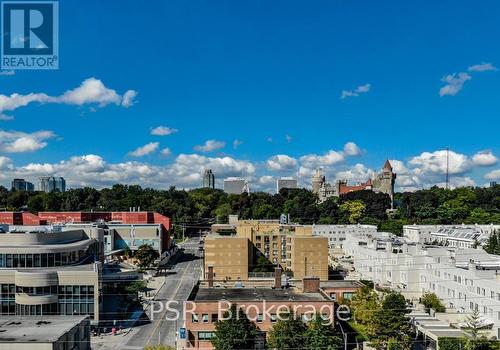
383, 182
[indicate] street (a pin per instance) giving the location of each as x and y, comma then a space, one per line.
178, 284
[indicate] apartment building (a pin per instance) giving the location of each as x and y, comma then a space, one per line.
49, 272
230, 257
461, 236
465, 279
336, 234
291, 247
262, 305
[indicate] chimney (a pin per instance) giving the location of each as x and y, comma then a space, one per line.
310, 284
277, 278
210, 276
472, 265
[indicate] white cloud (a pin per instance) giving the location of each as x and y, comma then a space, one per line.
5, 163
266, 180
482, 67
405, 178
163, 131
128, 98
493, 175
7, 72
21, 142
362, 89
484, 158
316, 161
454, 83
90, 91
237, 143
355, 174
166, 152
145, 150
210, 146
351, 149
187, 169
281, 162
430, 163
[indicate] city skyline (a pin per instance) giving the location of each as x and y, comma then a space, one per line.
317, 87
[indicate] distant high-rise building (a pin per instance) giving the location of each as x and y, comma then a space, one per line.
236, 185
22, 185
208, 179
493, 183
285, 182
52, 183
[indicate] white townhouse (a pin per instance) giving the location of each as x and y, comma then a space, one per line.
337, 234
465, 279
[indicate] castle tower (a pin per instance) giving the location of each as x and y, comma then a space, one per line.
385, 181
317, 181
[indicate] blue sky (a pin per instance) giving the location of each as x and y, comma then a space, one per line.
268, 74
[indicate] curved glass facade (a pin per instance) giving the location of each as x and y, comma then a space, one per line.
22, 261
72, 300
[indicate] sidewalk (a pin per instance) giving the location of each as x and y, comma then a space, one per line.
108, 341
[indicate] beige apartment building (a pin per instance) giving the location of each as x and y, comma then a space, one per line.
289, 246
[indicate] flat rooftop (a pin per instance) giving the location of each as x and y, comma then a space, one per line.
341, 284
255, 294
18, 329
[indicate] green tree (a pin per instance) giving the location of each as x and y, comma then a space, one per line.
493, 245
222, 213
352, 211
136, 287
475, 340
263, 265
287, 333
364, 305
235, 331
146, 255
321, 336
394, 226
391, 328
431, 301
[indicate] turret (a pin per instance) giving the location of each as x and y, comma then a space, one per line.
317, 181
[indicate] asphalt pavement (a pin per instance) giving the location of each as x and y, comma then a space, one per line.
179, 282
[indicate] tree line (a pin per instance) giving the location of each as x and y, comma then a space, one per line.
429, 206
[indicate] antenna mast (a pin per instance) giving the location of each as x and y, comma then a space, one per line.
447, 167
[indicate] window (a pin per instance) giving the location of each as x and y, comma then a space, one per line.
204, 318
274, 318
36, 260
215, 317
29, 260
194, 318
259, 318
348, 295
205, 335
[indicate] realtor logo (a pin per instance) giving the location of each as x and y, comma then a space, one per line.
30, 33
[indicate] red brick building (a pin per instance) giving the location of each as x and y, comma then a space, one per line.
20, 218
